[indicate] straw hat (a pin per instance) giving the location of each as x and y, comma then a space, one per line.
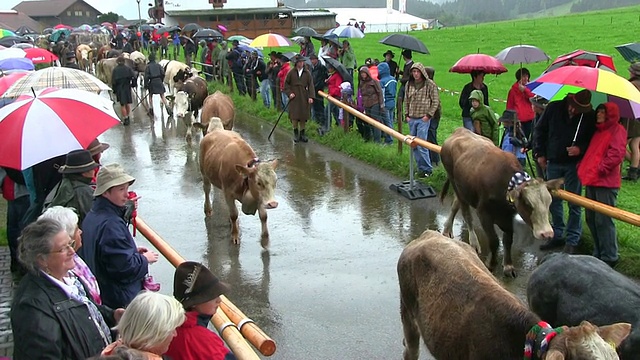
109, 176
194, 284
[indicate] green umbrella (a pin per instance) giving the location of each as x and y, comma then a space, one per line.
237, 37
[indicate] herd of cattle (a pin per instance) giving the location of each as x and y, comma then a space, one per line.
449, 297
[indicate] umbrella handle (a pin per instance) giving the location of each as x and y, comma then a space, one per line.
575, 136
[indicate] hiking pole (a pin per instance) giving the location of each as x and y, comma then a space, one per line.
279, 117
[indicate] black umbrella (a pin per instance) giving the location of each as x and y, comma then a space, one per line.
23, 30
9, 41
191, 27
208, 33
403, 41
186, 38
305, 31
47, 31
168, 29
146, 27
339, 68
630, 52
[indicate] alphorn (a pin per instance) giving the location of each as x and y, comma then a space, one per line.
220, 320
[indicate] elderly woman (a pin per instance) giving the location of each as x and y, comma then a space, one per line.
69, 219
51, 313
149, 325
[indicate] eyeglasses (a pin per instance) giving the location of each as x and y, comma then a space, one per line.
70, 246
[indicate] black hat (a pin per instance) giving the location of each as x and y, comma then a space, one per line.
273, 53
389, 52
407, 53
313, 56
194, 284
96, 146
581, 101
78, 162
235, 42
298, 58
508, 115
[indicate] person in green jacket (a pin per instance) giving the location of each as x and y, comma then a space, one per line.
74, 190
347, 57
484, 118
222, 60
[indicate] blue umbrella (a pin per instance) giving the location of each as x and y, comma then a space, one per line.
249, 49
346, 31
16, 64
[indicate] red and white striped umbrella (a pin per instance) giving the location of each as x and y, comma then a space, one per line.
50, 123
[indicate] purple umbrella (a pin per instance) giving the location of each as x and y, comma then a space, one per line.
16, 64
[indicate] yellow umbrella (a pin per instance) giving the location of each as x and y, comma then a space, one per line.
270, 40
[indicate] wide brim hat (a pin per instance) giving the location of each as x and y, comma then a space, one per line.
78, 162
97, 147
389, 52
194, 284
581, 101
507, 115
109, 176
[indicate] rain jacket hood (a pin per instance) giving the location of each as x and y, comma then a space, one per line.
420, 67
613, 115
477, 95
365, 70
383, 70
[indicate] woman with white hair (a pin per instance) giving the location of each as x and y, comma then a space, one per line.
69, 219
149, 325
51, 315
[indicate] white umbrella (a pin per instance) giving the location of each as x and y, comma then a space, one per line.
12, 53
59, 77
51, 123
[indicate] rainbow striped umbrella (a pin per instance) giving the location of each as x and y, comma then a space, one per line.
270, 40
5, 32
603, 84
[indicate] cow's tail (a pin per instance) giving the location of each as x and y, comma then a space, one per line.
444, 191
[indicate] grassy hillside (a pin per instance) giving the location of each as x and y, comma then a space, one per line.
596, 31
560, 10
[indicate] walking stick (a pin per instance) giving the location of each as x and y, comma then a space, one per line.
279, 117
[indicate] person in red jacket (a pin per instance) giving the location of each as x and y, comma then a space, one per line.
199, 292
333, 87
282, 74
599, 172
518, 101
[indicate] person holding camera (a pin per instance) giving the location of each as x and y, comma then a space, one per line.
518, 101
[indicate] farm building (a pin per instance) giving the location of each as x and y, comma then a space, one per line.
53, 12
248, 17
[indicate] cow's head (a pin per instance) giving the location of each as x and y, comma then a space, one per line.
531, 198
261, 178
182, 102
587, 341
215, 123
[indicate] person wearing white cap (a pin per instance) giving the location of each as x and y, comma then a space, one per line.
108, 248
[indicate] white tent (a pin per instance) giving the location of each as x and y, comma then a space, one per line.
382, 19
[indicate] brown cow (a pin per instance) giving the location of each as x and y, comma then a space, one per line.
84, 56
217, 105
189, 100
231, 165
450, 299
480, 174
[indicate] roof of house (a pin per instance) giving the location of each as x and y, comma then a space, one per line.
312, 13
12, 20
47, 7
207, 12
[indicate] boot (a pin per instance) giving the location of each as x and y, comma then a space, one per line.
296, 135
570, 249
632, 174
303, 137
126, 121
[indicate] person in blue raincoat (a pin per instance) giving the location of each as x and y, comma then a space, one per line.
108, 248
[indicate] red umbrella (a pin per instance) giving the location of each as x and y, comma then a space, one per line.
50, 123
478, 62
40, 55
583, 58
63, 26
8, 80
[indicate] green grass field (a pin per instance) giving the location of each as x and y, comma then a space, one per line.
595, 31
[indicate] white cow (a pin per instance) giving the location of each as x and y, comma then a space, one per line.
175, 73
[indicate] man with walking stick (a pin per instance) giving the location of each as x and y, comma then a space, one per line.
562, 136
298, 87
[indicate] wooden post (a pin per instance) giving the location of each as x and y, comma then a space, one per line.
230, 81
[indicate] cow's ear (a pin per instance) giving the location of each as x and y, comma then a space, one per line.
274, 164
614, 334
554, 184
245, 170
554, 355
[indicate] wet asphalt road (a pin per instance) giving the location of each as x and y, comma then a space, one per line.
327, 288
